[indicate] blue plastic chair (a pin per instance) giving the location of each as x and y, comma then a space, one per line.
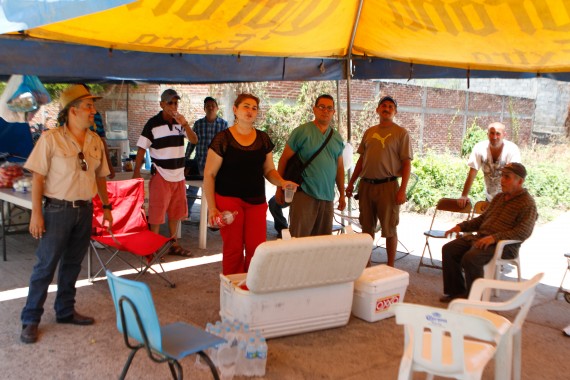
137, 319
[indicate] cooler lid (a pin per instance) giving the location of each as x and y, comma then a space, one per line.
308, 262
382, 276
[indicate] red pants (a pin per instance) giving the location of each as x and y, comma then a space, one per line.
248, 230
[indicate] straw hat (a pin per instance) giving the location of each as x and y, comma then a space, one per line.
73, 93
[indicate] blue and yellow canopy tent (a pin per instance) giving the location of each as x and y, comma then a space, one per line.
206, 41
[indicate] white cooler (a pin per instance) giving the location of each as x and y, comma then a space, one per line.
297, 285
376, 289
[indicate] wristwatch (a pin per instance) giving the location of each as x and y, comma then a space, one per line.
108, 207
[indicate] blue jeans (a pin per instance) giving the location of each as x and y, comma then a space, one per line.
276, 211
65, 242
191, 195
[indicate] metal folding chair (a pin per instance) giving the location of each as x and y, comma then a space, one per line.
561, 288
443, 205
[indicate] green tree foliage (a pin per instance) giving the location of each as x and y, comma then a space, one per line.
443, 175
281, 118
366, 118
278, 125
473, 135
309, 93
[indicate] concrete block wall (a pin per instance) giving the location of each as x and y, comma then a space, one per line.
552, 98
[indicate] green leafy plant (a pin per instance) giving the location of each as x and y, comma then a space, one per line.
278, 125
443, 175
473, 135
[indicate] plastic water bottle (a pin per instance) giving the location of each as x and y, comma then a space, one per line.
261, 357
210, 351
250, 358
223, 219
226, 362
227, 355
238, 336
241, 362
147, 161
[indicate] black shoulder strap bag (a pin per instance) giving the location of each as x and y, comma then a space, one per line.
295, 167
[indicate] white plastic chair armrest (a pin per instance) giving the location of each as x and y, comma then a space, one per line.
481, 284
462, 304
490, 267
501, 245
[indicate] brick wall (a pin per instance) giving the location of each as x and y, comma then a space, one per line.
436, 118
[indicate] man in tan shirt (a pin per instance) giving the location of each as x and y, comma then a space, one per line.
385, 155
69, 167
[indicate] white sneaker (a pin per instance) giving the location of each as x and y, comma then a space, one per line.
566, 330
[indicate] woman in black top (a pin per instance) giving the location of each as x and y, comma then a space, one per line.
239, 159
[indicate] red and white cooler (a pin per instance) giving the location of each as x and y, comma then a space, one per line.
376, 290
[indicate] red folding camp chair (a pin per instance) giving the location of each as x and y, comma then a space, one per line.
130, 231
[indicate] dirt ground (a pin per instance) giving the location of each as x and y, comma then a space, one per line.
360, 350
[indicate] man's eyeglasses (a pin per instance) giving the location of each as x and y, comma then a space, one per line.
82, 161
172, 102
325, 108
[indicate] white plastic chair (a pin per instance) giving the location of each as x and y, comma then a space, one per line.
494, 267
508, 357
437, 342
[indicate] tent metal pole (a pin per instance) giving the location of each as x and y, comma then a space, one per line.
349, 70
348, 63
338, 115
348, 126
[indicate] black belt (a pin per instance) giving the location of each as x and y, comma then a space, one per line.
74, 204
379, 181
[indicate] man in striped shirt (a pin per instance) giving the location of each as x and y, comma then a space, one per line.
510, 216
164, 136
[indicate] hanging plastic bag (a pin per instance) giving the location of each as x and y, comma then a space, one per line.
11, 86
29, 96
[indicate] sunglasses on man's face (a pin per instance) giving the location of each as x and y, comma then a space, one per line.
172, 102
82, 161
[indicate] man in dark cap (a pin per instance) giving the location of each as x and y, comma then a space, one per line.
385, 155
510, 216
164, 136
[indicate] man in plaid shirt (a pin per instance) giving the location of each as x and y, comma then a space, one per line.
510, 216
205, 128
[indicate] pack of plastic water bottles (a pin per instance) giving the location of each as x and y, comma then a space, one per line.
243, 354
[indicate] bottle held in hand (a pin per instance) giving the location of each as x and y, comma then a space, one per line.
222, 220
